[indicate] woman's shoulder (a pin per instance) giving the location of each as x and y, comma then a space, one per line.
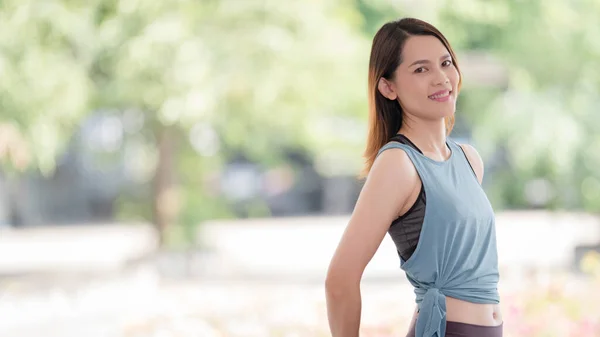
393, 145
474, 159
393, 164
390, 182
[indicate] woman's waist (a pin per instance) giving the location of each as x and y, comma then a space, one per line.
473, 313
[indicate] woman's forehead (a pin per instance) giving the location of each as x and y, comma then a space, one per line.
423, 48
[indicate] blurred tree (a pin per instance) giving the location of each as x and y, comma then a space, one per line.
44, 88
226, 77
207, 81
253, 77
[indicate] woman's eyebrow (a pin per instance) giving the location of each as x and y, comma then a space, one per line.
427, 61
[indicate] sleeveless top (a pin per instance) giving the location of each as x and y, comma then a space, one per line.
456, 254
405, 229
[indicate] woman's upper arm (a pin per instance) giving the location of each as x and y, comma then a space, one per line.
387, 188
475, 160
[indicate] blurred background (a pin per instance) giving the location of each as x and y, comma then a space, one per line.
186, 168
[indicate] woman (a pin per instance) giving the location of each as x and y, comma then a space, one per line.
424, 190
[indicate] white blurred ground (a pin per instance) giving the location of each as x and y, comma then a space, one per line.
303, 246
139, 304
262, 278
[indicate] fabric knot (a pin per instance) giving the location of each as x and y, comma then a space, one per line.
431, 321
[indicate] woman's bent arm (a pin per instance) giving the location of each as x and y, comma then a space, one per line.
385, 193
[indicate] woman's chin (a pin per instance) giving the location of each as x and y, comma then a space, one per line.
445, 113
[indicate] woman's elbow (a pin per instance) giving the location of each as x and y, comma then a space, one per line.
340, 284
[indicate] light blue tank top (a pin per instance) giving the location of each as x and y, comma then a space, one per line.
456, 255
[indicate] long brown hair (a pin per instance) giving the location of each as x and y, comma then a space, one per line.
385, 116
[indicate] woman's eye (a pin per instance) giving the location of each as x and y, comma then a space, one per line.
419, 70
447, 63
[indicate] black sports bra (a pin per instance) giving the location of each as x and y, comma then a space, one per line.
406, 229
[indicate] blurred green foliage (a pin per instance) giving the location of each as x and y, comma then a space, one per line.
267, 76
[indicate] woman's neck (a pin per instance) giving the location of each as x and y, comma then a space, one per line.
428, 138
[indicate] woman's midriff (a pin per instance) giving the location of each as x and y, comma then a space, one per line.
471, 313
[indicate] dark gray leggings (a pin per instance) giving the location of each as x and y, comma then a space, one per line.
456, 329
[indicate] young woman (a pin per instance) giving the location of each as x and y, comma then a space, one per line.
424, 190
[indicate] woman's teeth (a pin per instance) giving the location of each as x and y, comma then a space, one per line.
440, 95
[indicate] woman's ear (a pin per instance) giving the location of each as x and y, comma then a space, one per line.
386, 88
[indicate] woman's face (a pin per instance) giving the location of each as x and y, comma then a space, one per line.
426, 81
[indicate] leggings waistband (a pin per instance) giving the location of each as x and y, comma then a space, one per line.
458, 329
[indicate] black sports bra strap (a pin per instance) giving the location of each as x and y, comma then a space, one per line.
400, 138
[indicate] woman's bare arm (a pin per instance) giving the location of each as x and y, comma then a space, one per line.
385, 193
